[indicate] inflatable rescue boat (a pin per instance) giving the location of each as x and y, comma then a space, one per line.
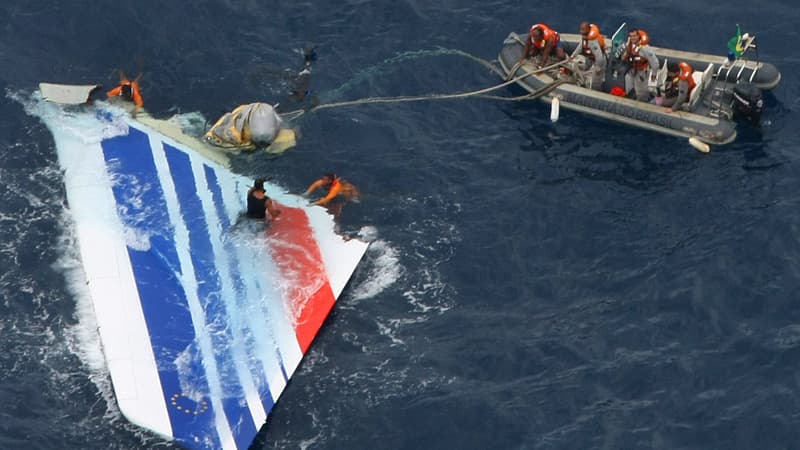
726, 91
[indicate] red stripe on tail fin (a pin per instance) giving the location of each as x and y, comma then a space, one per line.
308, 293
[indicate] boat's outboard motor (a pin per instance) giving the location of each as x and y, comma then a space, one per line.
748, 103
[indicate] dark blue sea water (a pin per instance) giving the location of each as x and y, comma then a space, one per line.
530, 285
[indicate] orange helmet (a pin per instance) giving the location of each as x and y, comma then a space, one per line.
644, 38
593, 32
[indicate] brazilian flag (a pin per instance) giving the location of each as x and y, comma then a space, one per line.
735, 43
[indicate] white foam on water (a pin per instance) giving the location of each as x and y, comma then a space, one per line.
82, 338
77, 121
191, 123
291, 283
383, 267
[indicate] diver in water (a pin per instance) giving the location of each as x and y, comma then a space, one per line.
337, 187
339, 192
259, 205
299, 93
128, 90
295, 84
301, 83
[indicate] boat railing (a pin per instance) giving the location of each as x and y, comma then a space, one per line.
738, 65
730, 72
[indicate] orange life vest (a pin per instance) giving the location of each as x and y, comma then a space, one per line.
334, 189
137, 97
336, 186
547, 35
594, 34
638, 62
685, 74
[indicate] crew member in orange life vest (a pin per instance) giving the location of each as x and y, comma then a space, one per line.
336, 187
643, 64
592, 47
128, 90
677, 95
543, 40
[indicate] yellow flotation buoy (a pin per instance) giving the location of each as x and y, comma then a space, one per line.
699, 145
555, 106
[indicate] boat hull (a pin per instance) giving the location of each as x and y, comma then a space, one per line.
710, 121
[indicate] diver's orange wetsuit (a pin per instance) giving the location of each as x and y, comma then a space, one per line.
137, 97
336, 187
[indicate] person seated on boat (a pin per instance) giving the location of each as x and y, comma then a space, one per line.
643, 64
676, 94
543, 40
592, 47
128, 90
259, 204
337, 187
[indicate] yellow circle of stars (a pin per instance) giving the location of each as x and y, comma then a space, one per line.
182, 402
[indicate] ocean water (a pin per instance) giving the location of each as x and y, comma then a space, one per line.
530, 285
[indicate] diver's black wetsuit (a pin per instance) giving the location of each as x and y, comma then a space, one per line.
256, 207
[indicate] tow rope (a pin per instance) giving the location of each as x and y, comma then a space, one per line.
479, 93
